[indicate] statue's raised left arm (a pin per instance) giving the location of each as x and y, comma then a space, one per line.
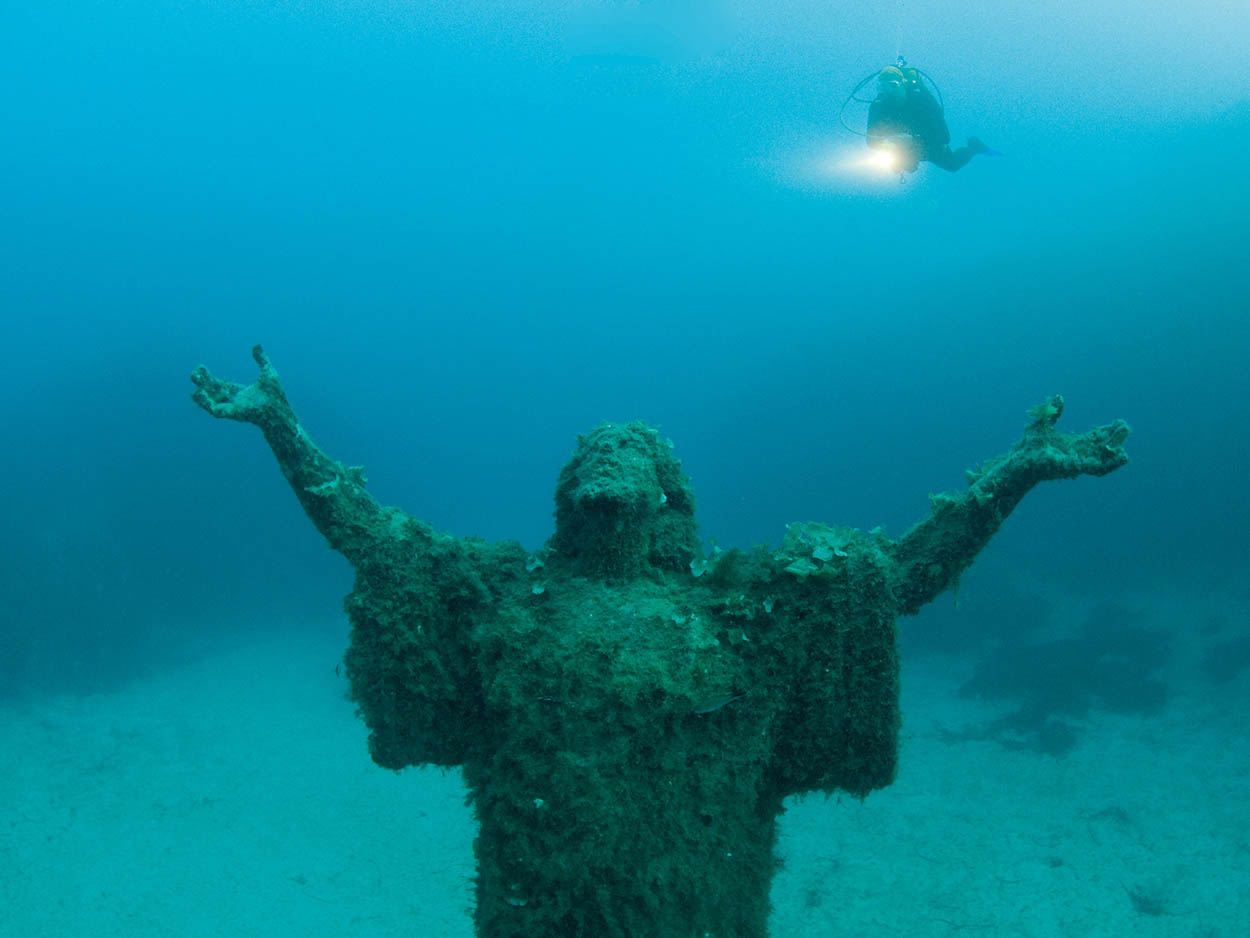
930, 557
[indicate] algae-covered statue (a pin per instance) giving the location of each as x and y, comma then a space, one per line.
629, 714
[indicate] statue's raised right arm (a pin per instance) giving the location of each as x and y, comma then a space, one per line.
930, 556
333, 495
417, 593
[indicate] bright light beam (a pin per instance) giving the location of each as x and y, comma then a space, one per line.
835, 166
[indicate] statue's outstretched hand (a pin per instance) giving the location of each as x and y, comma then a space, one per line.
333, 495
930, 556
1059, 455
258, 402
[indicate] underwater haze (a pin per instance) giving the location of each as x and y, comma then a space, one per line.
466, 233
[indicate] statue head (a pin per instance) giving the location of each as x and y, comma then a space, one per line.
624, 506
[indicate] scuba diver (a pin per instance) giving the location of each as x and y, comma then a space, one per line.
908, 122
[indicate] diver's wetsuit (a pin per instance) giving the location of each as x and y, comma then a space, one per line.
920, 116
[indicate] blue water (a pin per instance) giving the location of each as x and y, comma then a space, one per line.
467, 232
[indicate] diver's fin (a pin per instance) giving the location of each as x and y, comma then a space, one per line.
977, 146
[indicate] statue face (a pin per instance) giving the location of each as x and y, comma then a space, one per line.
623, 502
617, 474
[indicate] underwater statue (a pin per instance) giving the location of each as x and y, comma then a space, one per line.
629, 715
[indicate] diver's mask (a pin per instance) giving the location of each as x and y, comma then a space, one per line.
890, 89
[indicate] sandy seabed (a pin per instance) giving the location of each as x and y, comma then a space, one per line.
236, 797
